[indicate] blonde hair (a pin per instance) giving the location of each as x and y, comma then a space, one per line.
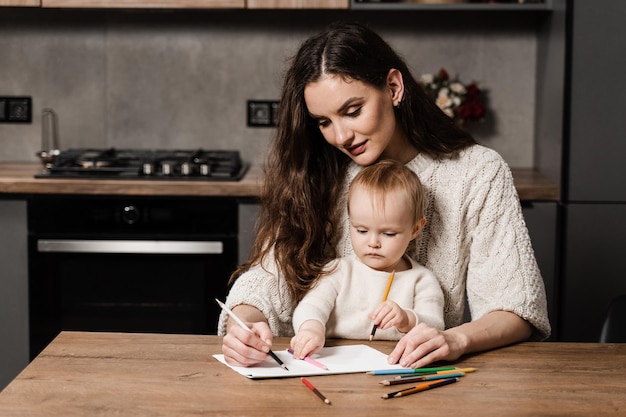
391, 176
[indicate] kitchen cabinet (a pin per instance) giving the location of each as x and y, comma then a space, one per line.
248, 214
20, 3
541, 219
594, 229
594, 271
298, 4
546, 5
199, 4
13, 290
146, 4
448, 5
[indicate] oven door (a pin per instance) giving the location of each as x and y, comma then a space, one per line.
151, 281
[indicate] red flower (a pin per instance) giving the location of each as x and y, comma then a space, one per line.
464, 103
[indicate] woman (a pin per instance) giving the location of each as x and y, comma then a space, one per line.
349, 100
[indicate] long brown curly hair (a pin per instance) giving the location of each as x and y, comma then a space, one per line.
298, 220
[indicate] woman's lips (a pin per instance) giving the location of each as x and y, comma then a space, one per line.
357, 150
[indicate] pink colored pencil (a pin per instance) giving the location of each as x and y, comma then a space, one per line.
312, 361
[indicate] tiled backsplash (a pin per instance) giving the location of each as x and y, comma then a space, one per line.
181, 79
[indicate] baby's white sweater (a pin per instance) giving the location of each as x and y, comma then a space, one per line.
343, 299
475, 242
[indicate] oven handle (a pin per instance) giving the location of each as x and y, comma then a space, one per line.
170, 247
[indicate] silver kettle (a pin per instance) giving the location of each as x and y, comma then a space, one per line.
49, 138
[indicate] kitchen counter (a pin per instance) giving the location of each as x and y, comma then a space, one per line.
18, 179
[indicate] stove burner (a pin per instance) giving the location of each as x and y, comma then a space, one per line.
198, 164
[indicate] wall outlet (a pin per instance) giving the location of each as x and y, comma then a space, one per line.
16, 109
262, 113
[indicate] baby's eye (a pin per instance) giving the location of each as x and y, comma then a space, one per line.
361, 231
390, 234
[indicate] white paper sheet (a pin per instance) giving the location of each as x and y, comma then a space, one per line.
338, 359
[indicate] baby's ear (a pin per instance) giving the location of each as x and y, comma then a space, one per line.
418, 227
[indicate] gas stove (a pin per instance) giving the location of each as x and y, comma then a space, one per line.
112, 163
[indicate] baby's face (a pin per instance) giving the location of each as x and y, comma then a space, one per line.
380, 230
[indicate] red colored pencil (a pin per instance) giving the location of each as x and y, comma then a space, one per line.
315, 390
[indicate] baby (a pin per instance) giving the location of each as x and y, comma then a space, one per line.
386, 211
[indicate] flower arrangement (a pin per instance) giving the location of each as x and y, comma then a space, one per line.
463, 103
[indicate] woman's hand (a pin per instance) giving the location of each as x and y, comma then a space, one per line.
423, 345
309, 339
242, 348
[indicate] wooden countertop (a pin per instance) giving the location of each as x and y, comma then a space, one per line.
117, 374
18, 178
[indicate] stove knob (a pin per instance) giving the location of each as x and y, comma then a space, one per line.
185, 168
166, 168
130, 214
148, 169
205, 169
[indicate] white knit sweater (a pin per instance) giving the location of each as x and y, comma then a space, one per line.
475, 242
343, 299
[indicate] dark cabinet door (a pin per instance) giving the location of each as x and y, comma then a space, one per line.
541, 221
597, 130
595, 267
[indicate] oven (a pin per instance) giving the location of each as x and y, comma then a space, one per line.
128, 264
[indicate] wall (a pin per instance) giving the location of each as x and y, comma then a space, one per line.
180, 79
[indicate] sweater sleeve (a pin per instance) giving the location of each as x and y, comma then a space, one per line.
502, 272
428, 301
319, 301
262, 287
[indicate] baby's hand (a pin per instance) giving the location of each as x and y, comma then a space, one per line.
309, 339
389, 314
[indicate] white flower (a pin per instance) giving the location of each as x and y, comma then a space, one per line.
427, 78
444, 102
458, 88
444, 92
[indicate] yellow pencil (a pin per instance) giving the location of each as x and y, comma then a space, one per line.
384, 299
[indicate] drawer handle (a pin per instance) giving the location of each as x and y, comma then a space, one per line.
170, 247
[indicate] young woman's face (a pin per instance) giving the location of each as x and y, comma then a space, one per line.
358, 119
381, 232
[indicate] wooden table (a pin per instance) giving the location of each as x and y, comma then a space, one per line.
112, 374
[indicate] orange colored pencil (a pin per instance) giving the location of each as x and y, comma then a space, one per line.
419, 388
389, 282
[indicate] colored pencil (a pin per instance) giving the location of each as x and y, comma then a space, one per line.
315, 390
404, 371
421, 378
455, 370
389, 282
244, 326
311, 361
419, 388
